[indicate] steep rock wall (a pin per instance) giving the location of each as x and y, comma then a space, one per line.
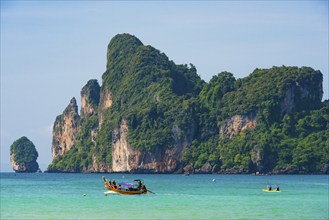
30, 167
90, 95
65, 128
127, 159
97, 166
86, 108
104, 103
237, 124
303, 94
288, 102
122, 153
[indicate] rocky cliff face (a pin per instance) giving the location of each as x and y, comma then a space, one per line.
30, 167
90, 95
128, 159
99, 166
105, 103
236, 125
288, 102
65, 129
124, 157
303, 94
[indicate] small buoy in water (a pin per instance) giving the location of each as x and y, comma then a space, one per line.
214, 180
84, 194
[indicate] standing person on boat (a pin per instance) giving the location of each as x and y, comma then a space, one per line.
139, 185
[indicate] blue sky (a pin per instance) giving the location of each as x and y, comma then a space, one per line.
50, 49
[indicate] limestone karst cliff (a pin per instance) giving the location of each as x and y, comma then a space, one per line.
65, 129
236, 125
23, 156
152, 115
90, 95
124, 157
127, 159
105, 103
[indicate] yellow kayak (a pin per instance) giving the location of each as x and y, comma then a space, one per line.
271, 191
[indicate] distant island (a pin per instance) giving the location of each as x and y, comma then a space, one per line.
151, 115
23, 156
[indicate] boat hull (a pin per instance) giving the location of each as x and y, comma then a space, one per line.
270, 191
126, 192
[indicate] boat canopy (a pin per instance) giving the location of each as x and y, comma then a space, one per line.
125, 184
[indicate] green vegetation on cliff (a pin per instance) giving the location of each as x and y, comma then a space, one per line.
149, 91
291, 132
91, 91
265, 90
296, 144
152, 93
271, 121
24, 155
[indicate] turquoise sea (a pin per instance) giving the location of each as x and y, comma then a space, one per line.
61, 196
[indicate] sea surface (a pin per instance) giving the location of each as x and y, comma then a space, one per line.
81, 196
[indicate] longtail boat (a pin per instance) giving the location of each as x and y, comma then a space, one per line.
126, 188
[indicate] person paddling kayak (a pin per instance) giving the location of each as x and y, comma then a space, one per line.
269, 187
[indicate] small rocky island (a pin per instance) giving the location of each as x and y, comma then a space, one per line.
23, 156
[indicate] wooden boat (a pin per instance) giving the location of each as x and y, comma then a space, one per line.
126, 188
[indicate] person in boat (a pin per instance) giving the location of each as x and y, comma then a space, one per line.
277, 188
269, 187
114, 184
139, 185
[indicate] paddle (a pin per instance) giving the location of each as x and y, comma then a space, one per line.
150, 191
